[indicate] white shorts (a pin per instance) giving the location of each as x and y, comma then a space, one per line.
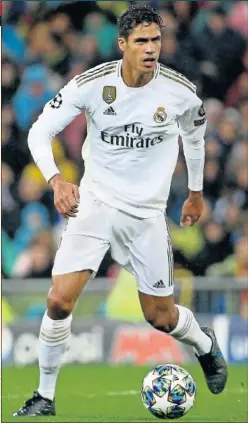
142, 246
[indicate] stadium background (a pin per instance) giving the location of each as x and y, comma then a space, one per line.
44, 44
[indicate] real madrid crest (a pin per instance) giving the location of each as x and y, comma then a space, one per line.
160, 115
109, 94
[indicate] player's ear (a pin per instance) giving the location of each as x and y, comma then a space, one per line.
122, 43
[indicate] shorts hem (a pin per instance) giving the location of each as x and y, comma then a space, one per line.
73, 270
167, 293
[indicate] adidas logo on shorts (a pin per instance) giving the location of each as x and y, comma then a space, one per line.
110, 111
159, 284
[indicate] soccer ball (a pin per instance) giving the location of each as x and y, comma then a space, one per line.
168, 392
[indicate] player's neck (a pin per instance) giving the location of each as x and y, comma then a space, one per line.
133, 78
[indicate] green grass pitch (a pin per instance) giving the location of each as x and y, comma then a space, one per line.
102, 393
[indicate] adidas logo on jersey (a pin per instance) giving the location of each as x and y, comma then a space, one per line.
159, 284
110, 112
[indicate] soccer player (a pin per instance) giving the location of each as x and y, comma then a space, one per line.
136, 108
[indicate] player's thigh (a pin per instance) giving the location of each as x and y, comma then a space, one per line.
66, 288
85, 239
151, 258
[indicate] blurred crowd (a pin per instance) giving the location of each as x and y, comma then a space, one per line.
45, 44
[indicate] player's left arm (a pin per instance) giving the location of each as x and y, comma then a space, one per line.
192, 127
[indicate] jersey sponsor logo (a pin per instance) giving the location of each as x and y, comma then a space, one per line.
57, 101
160, 115
109, 94
201, 111
132, 137
200, 121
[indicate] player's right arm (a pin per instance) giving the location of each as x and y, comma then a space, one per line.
57, 114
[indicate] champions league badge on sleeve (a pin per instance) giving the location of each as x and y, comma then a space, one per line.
201, 111
160, 115
56, 102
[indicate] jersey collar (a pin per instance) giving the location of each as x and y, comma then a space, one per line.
118, 72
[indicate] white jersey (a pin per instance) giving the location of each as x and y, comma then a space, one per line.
132, 144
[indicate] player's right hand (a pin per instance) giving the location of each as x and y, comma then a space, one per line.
66, 196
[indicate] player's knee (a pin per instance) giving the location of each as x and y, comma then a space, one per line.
58, 307
163, 319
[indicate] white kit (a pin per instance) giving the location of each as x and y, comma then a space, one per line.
130, 155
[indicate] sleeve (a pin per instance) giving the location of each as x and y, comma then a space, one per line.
56, 115
192, 125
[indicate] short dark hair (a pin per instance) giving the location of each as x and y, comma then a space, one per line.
135, 15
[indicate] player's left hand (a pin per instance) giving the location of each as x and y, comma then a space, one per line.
192, 209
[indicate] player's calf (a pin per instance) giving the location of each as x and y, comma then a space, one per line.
160, 312
162, 319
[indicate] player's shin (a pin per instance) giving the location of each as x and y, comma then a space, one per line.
53, 338
189, 332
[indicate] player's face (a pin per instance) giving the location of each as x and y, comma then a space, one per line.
142, 47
